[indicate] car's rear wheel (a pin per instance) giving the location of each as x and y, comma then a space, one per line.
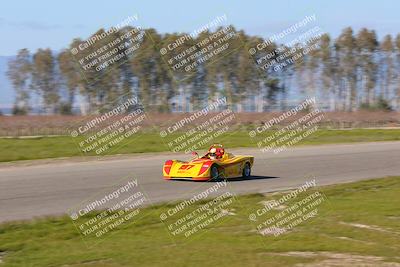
246, 170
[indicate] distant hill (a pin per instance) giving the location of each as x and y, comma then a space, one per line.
6, 90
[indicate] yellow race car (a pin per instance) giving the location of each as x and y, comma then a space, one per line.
216, 164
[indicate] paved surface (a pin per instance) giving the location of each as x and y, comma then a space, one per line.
43, 188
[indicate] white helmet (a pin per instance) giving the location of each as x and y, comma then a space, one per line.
212, 153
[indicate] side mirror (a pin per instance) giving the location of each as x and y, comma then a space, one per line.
195, 154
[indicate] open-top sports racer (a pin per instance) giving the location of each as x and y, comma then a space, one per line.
216, 164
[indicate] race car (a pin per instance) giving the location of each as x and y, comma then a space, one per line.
216, 164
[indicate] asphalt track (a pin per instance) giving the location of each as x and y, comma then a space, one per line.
39, 188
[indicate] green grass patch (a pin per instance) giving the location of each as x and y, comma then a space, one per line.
231, 242
13, 149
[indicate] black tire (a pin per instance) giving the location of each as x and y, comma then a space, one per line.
214, 173
246, 173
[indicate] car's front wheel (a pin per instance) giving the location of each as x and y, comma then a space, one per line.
214, 173
246, 170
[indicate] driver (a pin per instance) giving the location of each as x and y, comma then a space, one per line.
215, 153
212, 153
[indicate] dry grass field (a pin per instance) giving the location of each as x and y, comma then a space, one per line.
61, 124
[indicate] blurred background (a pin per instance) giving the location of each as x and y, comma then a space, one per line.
353, 66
